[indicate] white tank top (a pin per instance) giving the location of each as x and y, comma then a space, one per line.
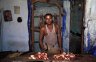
51, 38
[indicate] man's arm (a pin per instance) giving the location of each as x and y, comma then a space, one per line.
41, 38
59, 37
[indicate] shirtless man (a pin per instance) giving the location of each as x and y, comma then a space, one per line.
50, 36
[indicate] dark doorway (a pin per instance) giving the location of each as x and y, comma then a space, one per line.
76, 24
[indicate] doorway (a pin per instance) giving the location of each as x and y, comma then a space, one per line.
76, 26
39, 10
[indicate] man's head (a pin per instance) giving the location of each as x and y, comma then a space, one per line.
48, 18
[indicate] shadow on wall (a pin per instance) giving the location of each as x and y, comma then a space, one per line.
17, 46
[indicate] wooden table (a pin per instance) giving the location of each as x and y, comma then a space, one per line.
23, 57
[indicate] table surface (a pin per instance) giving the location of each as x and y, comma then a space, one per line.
24, 57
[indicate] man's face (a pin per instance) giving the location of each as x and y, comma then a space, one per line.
48, 19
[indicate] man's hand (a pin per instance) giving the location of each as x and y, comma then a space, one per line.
44, 50
61, 50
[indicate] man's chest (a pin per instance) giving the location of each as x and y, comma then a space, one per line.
50, 33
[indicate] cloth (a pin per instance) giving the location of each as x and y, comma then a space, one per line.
50, 40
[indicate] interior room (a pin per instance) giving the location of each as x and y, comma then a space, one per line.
21, 22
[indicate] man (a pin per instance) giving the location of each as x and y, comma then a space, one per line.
50, 36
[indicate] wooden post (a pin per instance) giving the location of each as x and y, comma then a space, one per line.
32, 27
82, 27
